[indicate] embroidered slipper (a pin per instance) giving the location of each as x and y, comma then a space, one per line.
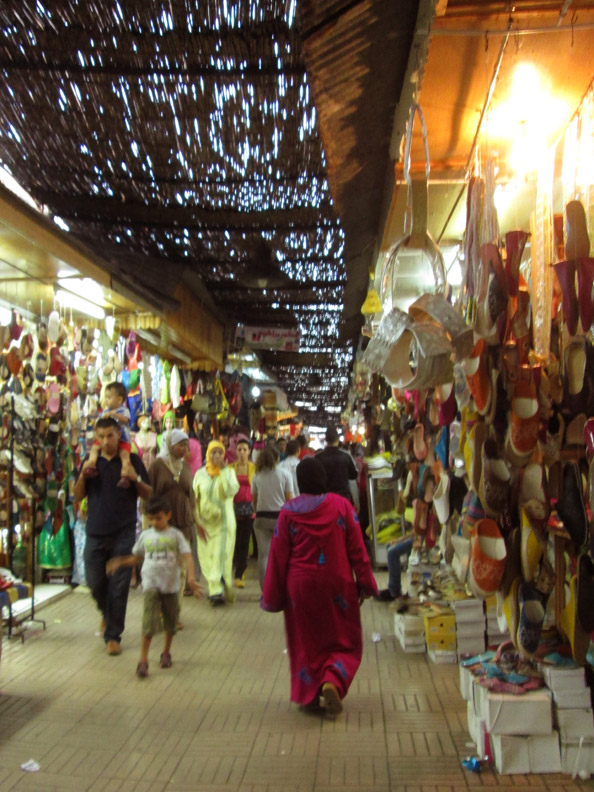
531, 618
523, 429
531, 549
585, 279
53, 404
570, 626
500, 686
515, 242
566, 271
534, 496
495, 478
511, 610
477, 376
577, 242
571, 508
576, 378
40, 367
419, 445
487, 558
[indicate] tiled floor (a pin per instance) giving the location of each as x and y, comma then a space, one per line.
221, 719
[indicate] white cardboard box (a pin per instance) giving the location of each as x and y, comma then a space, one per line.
477, 731
442, 656
469, 610
577, 758
409, 624
528, 714
470, 629
572, 699
560, 678
534, 754
466, 680
574, 724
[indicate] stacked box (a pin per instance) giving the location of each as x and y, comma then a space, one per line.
517, 731
495, 634
470, 626
409, 628
573, 716
440, 635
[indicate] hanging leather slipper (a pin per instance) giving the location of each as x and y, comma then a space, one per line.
477, 376
585, 593
531, 618
523, 429
571, 508
487, 559
578, 638
566, 271
515, 241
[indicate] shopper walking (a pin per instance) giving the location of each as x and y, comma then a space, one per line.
271, 489
171, 479
244, 509
111, 527
290, 463
341, 471
215, 486
315, 551
161, 550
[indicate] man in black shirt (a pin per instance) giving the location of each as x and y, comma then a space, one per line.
111, 527
340, 468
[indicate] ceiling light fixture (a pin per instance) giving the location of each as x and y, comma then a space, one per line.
70, 300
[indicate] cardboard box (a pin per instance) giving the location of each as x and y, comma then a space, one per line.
562, 678
577, 758
572, 699
529, 714
510, 754
535, 754
440, 625
439, 643
478, 733
409, 624
469, 610
439, 656
466, 680
574, 724
411, 644
470, 629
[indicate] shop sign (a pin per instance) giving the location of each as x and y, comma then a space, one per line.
274, 338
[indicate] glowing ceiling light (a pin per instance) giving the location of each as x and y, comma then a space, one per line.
77, 303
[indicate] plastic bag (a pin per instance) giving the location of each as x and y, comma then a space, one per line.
54, 550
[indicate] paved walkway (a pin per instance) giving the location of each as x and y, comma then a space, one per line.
221, 719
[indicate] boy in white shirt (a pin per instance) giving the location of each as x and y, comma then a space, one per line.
161, 550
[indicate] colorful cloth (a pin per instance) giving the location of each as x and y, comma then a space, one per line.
214, 497
316, 546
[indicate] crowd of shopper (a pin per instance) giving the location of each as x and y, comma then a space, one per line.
297, 510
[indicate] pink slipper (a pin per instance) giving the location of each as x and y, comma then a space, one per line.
53, 404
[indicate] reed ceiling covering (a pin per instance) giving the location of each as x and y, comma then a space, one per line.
185, 134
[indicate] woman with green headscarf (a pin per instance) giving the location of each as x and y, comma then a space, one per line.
167, 425
215, 486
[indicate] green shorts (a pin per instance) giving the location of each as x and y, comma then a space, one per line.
156, 604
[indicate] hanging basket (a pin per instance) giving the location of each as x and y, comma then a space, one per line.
414, 266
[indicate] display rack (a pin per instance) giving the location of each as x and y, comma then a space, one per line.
10, 496
382, 492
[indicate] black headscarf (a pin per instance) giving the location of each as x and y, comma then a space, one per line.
311, 477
